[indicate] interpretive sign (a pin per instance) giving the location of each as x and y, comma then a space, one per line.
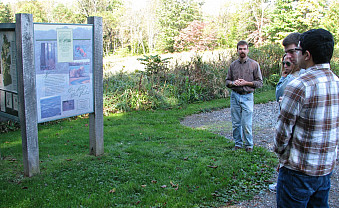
48, 72
8, 75
64, 70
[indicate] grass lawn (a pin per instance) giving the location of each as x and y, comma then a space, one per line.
150, 160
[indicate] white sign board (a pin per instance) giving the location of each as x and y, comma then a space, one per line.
64, 70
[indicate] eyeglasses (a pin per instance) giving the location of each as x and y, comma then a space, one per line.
287, 63
291, 51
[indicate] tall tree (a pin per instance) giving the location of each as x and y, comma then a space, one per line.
227, 24
62, 14
175, 15
294, 16
330, 21
5, 13
33, 7
195, 37
256, 17
109, 11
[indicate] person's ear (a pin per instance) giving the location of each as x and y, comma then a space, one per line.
308, 55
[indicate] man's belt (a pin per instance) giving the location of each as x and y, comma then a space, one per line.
243, 93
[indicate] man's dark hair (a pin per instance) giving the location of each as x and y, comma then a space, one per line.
319, 43
292, 38
242, 42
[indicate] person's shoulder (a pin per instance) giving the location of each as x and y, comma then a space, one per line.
251, 60
235, 62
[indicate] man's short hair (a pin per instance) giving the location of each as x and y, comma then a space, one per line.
292, 38
242, 42
319, 43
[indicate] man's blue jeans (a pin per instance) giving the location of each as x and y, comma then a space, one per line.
295, 189
241, 112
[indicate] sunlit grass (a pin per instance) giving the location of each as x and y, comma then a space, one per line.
150, 160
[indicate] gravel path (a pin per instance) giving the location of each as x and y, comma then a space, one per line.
264, 120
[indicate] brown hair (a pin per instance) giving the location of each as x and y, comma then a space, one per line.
242, 42
292, 38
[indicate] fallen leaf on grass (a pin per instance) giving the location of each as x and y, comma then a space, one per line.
154, 181
143, 186
174, 185
163, 186
211, 166
112, 191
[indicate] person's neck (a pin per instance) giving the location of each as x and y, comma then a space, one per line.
309, 64
242, 59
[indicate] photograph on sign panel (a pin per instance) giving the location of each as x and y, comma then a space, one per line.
50, 107
47, 56
80, 52
79, 74
67, 105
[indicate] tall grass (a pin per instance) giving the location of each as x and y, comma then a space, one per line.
190, 78
200, 77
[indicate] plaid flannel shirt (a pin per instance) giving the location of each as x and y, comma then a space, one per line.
307, 131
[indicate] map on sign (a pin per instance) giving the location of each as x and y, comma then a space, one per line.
64, 70
8, 74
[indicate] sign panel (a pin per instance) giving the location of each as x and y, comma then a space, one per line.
8, 75
64, 70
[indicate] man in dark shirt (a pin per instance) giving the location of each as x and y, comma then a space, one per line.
243, 77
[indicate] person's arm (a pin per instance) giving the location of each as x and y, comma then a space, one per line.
258, 81
229, 78
290, 108
279, 89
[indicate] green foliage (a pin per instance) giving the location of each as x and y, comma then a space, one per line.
273, 79
150, 160
294, 16
33, 7
269, 58
5, 13
156, 27
335, 61
62, 14
330, 21
154, 64
162, 87
8, 126
175, 15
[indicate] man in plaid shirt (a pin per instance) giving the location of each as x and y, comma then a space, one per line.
307, 132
